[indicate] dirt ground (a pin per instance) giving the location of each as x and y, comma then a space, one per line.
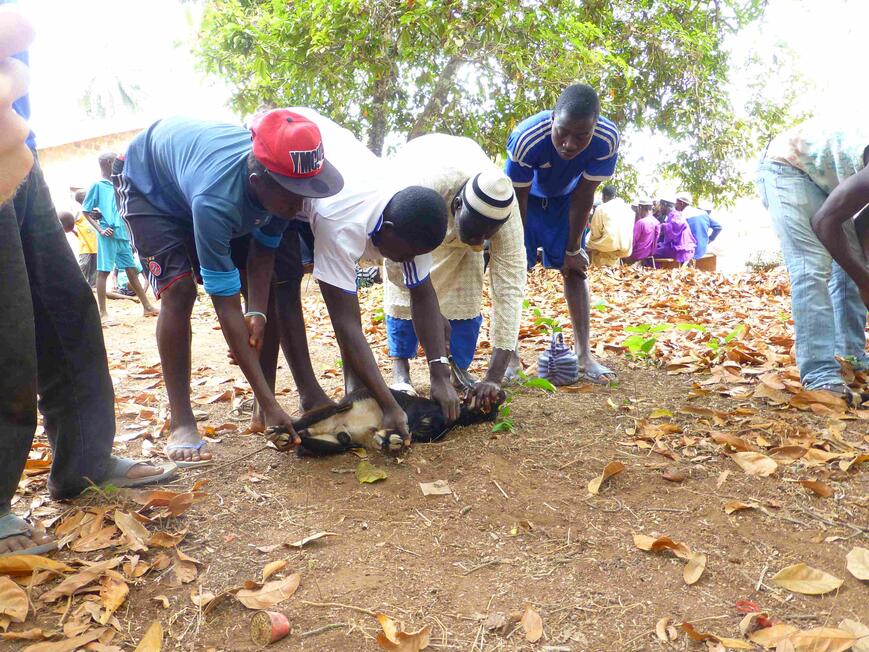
520, 528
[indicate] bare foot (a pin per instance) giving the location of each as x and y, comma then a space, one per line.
151, 311
15, 544
257, 420
593, 371
143, 470
185, 445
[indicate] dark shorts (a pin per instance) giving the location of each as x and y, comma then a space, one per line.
547, 227
167, 247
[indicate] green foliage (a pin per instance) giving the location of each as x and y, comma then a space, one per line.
720, 344
378, 316
549, 324
476, 68
504, 422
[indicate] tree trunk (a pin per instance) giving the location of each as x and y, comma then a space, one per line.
438, 99
379, 97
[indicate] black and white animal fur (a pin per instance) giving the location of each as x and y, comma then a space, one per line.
356, 423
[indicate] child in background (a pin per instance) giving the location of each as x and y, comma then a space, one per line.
87, 242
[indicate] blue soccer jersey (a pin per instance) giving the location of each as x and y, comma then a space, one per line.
532, 159
197, 171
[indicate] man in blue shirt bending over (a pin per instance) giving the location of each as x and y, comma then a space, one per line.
556, 160
187, 189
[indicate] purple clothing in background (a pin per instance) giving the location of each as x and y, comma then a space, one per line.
677, 242
646, 232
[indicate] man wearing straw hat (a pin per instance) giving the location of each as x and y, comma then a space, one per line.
482, 207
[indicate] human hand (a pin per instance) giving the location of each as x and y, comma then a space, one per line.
577, 264
395, 420
256, 328
279, 429
483, 395
16, 159
443, 392
107, 232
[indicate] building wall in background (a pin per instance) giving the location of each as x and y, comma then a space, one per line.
75, 164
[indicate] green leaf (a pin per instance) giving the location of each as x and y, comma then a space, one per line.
503, 426
648, 345
540, 383
660, 413
691, 327
367, 472
660, 328
642, 328
736, 332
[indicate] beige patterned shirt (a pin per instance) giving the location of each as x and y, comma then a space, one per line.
445, 163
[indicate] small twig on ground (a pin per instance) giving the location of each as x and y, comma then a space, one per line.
666, 509
212, 469
409, 552
483, 565
504, 493
321, 630
760, 579
423, 516
339, 605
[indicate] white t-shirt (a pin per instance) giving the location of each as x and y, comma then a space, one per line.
344, 223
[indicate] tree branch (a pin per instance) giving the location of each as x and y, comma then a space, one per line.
438, 98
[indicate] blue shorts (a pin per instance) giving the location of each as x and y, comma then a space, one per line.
547, 227
403, 342
112, 252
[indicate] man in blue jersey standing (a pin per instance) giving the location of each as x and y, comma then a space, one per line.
556, 160
188, 189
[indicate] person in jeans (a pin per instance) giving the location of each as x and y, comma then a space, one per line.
814, 176
51, 342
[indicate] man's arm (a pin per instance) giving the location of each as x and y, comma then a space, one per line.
507, 267
522, 193
715, 227
235, 331
343, 310
93, 218
581, 203
260, 267
844, 202
428, 324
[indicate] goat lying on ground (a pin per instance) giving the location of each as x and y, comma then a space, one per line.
355, 422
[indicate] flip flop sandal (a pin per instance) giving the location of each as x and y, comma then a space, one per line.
598, 377
119, 467
13, 526
183, 464
407, 388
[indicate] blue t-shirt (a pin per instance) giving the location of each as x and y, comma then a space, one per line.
21, 106
701, 224
197, 171
102, 197
532, 159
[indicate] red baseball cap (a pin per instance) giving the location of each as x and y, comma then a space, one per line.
290, 147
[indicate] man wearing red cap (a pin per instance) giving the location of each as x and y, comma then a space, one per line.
188, 189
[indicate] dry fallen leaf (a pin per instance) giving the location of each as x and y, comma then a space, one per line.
694, 568
273, 567
317, 535
694, 635
755, 463
661, 629
162, 600
185, 568
818, 487
859, 630
69, 644
201, 598
113, 592
735, 506
858, 563
800, 578
822, 639
611, 469
166, 539
532, 625
392, 639
152, 641
270, 594
436, 488
35, 634
651, 544
13, 601
135, 533
770, 637
81, 579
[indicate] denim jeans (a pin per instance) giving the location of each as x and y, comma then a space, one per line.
51, 343
829, 316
